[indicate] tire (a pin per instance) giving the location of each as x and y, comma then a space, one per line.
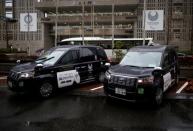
46, 89
158, 97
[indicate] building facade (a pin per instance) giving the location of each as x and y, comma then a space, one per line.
25, 41
76, 18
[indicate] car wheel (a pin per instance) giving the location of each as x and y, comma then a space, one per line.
46, 90
158, 97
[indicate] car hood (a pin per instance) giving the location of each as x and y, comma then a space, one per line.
24, 67
131, 70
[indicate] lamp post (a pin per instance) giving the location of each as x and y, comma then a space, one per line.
113, 25
83, 9
144, 19
56, 24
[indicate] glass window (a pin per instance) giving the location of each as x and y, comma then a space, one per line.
166, 60
102, 54
51, 56
142, 59
87, 55
9, 14
70, 57
8, 3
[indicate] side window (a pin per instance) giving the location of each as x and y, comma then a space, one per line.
102, 54
172, 58
166, 60
70, 57
86, 55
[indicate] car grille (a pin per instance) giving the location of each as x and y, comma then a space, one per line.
123, 81
13, 75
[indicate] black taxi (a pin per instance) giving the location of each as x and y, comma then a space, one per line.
144, 72
59, 67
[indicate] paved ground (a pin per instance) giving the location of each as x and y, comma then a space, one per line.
87, 109
96, 89
69, 112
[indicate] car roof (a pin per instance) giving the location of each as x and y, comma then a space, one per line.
157, 48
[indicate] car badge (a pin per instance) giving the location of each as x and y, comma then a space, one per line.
90, 68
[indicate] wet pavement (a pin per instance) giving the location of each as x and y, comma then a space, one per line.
73, 111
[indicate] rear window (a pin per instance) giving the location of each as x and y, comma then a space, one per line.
101, 54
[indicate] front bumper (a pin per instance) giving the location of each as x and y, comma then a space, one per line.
133, 94
20, 85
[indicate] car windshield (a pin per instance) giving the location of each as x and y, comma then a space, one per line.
51, 56
142, 59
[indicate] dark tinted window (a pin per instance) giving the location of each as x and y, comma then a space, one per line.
70, 57
173, 57
166, 60
87, 55
101, 54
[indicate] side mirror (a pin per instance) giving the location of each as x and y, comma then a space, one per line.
38, 66
107, 64
157, 71
18, 61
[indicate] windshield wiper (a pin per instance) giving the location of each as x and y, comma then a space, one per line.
45, 59
148, 67
132, 65
41, 58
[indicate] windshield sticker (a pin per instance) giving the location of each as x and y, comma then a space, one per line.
67, 78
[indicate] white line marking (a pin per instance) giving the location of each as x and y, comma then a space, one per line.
3, 77
185, 84
96, 88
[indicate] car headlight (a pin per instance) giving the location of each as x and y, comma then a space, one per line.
27, 75
108, 75
146, 80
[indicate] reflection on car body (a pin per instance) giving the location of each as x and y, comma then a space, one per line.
144, 72
59, 67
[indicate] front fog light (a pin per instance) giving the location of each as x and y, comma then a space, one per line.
108, 75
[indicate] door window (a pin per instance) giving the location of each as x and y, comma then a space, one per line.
71, 57
166, 60
87, 55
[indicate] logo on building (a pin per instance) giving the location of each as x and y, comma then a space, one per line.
153, 15
28, 22
154, 20
28, 19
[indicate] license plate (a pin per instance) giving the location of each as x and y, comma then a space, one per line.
120, 91
10, 84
